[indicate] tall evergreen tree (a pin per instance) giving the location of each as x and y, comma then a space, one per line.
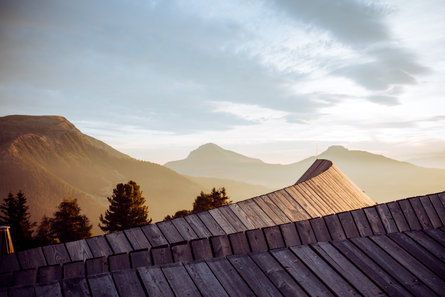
15, 213
126, 208
68, 224
216, 198
44, 234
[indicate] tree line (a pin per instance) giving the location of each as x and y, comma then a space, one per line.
126, 210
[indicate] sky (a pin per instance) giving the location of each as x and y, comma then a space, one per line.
276, 80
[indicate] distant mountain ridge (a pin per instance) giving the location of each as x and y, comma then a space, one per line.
382, 178
50, 159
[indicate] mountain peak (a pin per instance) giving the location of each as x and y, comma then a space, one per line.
211, 152
336, 148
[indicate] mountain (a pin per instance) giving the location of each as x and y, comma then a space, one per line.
382, 178
49, 159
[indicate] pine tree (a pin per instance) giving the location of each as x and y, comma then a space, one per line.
126, 208
68, 224
216, 198
15, 213
44, 234
178, 214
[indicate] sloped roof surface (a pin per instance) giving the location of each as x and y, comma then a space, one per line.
258, 248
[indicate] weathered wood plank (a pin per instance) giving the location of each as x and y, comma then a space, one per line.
398, 216
170, 232
306, 233
119, 242
332, 279
9, 263
239, 243
438, 206
421, 213
127, 284
31, 258
74, 269
229, 278
348, 224
273, 237
52, 289
387, 219
304, 277
277, 275
347, 269
6, 279
79, 250
137, 238
198, 226
257, 240
232, 218
96, 265
373, 271
22, 291
184, 229
56, 254
259, 217
437, 235
293, 201
179, 280
245, 218
211, 223
182, 253
154, 235
271, 209
374, 220
411, 264
404, 276
221, 246
419, 252
102, 285
75, 287
25, 277
253, 275
205, 280
290, 212
431, 212
140, 258
155, 282
320, 230
335, 227
409, 214
222, 221
430, 244
50, 273
290, 234
99, 246
201, 249
361, 222
118, 262
161, 255
297, 194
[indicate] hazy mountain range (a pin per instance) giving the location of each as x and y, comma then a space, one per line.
49, 159
382, 178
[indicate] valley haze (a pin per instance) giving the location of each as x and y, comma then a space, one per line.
50, 159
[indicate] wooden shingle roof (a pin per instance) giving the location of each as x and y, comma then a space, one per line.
256, 248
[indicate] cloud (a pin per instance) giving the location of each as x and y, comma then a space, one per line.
352, 22
382, 99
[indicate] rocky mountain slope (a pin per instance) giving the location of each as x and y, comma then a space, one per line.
50, 159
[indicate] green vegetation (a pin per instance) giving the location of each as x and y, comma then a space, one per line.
216, 198
15, 213
126, 209
68, 224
